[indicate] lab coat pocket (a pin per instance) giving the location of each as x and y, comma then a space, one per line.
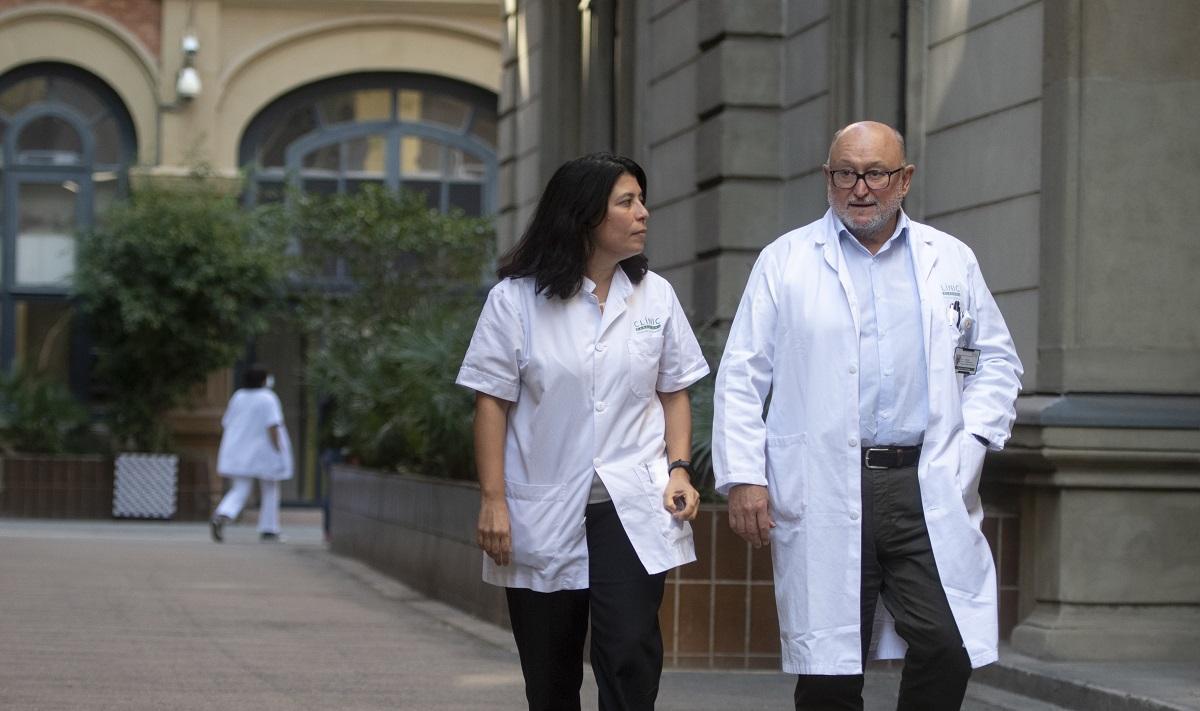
535, 516
971, 453
645, 352
653, 479
786, 471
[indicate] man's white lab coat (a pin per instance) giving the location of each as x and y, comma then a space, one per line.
796, 336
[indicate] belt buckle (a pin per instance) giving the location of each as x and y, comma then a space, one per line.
867, 457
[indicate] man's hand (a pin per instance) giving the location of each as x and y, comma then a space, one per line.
750, 514
494, 534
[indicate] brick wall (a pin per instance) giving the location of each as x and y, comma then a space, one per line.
717, 613
81, 487
141, 17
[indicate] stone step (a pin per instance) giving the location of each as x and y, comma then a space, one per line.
982, 697
1092, 686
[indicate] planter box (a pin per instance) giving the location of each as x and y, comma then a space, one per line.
418, 530
46, 486
717, 613
81, 487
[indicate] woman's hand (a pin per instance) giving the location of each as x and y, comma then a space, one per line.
681, 498
494, 534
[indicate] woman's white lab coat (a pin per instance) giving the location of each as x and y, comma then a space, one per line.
584, 391
796, 335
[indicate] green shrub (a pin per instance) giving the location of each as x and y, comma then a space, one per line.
396, 402
701, 394
39, 416
175, 281
398, 291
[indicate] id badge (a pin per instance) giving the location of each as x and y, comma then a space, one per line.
966, 360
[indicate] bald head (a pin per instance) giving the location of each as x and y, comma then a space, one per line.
867, 180
880, 135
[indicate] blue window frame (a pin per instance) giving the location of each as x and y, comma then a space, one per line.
425, 134
421, 133
66, 144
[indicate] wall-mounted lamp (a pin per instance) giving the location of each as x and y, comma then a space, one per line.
187, 84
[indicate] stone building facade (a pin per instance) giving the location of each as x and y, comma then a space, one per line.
1052, 136
328, 94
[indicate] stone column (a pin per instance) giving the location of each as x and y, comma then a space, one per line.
1108, 452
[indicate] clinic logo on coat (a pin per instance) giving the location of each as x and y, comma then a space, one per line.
647, 324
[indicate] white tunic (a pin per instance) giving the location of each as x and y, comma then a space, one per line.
583, 387
246, 442
796, 335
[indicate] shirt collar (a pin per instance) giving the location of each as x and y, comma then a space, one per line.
619, 288
899, 234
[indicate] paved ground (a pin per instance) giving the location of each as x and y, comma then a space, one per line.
135, 615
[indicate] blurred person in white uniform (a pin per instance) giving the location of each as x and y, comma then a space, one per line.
254, 446
890, 373
581, 361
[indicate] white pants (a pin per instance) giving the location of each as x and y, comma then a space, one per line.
239, 490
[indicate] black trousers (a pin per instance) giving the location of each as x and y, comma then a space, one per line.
898, 566
622, 600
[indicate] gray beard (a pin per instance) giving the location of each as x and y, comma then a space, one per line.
870, 231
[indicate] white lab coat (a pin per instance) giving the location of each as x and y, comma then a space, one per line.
796, 336
584, 392
246, 448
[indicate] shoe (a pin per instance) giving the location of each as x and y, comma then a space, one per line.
271, 538
217, 527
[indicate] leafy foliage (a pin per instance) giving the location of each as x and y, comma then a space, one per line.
701, 395
175, 281
40, 416
396, 399
398, 293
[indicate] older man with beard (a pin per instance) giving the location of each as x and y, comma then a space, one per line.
890, 373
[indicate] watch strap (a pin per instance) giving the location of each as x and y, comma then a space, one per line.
684, 465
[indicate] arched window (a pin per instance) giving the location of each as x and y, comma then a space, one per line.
426, 134
421, 133
66, 144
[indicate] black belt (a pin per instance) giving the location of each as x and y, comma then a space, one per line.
890, 457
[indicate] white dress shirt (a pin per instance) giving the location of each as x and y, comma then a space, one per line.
893, 402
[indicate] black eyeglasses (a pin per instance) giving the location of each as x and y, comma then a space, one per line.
875, 179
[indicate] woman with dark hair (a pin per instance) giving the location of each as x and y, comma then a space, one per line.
581, 361
254, 445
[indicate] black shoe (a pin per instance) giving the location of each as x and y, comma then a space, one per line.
217, 527
270, 538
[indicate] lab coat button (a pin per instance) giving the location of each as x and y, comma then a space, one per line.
853, 442
601, 347
600, 406
596, 462
853, 515
853, 369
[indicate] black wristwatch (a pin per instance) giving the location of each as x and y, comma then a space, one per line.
684, 465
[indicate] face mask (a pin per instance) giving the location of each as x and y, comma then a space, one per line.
271, 382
